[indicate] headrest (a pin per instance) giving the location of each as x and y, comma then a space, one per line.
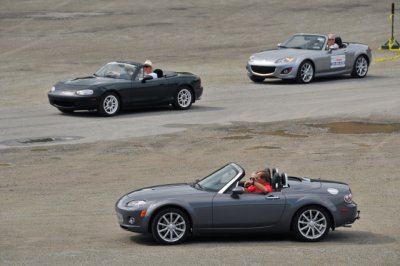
338, 41
159, 72
283, 179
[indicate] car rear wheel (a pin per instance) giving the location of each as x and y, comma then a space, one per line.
305, 73
257, 79
170, 226
311, 224
360, 67
183, 98
109, 104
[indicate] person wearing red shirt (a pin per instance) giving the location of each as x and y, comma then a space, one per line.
260, 181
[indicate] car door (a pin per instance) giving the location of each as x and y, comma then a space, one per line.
247, 210
331, 61
147, 91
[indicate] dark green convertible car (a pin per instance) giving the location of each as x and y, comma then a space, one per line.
123, 85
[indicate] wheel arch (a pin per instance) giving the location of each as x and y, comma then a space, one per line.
365, 56
301, 61
180, 86
167, 206
331, 219
116, 92
311, 61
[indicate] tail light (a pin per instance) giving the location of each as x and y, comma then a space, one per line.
348, 198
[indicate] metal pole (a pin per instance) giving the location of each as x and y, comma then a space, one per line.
392, 39
391, 44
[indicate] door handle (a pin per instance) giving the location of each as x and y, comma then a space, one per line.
272, 197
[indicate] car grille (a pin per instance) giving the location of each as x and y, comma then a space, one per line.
263, 69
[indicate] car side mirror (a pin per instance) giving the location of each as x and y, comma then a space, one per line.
145, 78
237, 191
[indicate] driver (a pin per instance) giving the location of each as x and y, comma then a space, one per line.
148, 69
331, 42
260, 181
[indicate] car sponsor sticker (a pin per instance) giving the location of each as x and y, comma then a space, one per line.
338, 61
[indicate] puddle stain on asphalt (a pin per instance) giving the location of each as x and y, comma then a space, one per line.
39, 149
283, 133
36, 141
264, 147
238, 137
358, 127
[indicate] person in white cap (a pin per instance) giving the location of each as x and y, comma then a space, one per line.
148, 69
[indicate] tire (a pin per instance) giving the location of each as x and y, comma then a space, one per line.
311, 224
109, 104
170, 226
306, 72
183, 98
360, 67
256, 79
66, 111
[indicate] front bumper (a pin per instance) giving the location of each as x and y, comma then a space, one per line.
131, 220
73, 102
282, 71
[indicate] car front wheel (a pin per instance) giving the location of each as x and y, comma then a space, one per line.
170, 226
360, 67
183, 98
311, 224
305, 73
109, 104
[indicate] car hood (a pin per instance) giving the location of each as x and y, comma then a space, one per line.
87, 82
163, 191
280, 53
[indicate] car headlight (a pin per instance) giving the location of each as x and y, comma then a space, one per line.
252, 58
53, 88
135, 203
288, 59
84, 92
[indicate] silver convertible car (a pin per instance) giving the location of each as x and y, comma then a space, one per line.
305, 56
218, 203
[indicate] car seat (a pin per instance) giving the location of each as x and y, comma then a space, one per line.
159, 72
276, 182
339, 42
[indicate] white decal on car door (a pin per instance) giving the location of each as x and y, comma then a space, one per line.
338, 61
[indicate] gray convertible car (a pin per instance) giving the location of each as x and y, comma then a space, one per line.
305, 56
218, 203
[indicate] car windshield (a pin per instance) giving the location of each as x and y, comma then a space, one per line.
116, 70
306, 42
217, 180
